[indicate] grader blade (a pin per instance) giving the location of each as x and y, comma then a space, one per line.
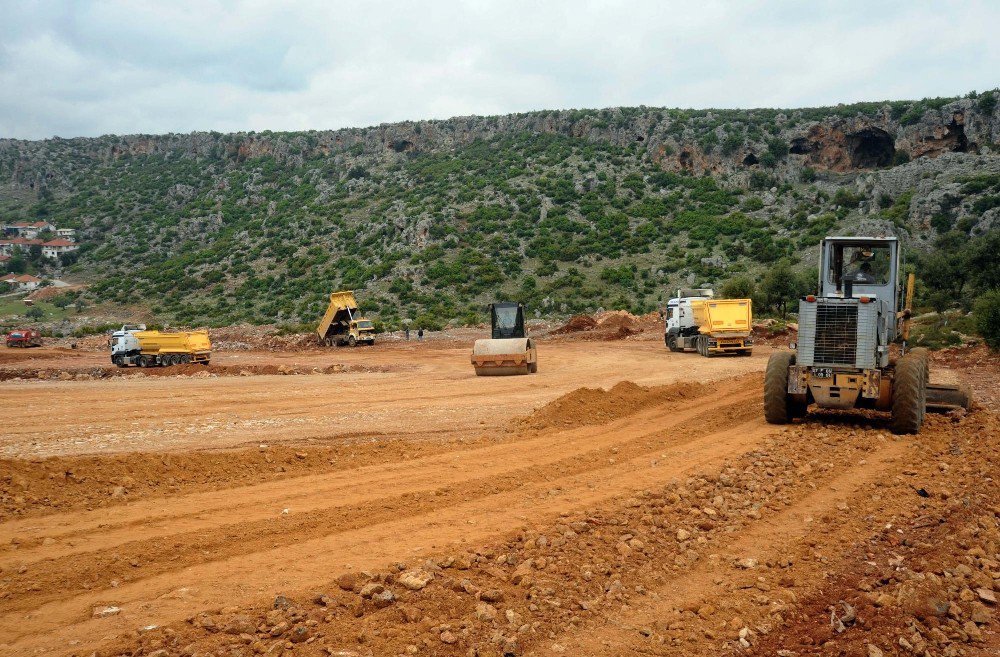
942, 398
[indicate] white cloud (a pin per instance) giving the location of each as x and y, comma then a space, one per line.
119, 66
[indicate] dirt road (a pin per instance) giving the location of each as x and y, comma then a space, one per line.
425, 511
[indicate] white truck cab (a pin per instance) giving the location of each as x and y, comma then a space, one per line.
678, 313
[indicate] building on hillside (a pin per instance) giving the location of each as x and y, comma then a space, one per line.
55, 248
7, 246
67, 233
30, 231
23, 282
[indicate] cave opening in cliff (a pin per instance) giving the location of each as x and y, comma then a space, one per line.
956, 135
870, 147
750, 160
685, 159
640, 138
800, 146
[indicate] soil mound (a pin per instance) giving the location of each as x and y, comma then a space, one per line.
576, 324
586, 406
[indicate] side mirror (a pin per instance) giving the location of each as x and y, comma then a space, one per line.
792, 346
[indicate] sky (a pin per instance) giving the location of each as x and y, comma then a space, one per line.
88, 68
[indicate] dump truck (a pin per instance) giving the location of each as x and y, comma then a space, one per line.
697, 321
134, 346
24, 338
843, 357
509, 350
343, 322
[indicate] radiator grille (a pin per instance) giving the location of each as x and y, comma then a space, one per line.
836, 334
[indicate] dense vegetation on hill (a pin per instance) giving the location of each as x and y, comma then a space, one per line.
568, 211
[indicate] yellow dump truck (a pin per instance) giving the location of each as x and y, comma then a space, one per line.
343, 322
710, 326
135, 346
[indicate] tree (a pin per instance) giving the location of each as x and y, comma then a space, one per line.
986, 313
740, 287
17, 263
35, 312
780, 286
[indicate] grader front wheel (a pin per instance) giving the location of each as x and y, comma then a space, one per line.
778, 405
909, 393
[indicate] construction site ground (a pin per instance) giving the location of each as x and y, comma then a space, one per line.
385, 501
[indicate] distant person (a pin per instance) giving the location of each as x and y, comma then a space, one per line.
407, 331
420, 335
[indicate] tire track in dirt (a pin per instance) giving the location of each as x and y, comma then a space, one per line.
773, 540
149, 519
123, 553
164, 597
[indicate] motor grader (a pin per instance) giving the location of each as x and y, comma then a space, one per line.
508, 350
842, 359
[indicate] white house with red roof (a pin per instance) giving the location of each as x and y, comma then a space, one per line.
7, 246
31, 230
23, 282
55, 248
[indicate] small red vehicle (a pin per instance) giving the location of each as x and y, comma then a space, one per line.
24, 338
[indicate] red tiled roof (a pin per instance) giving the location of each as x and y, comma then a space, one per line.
28, 278
59, 243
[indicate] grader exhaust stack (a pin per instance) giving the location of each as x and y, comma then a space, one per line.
509, 350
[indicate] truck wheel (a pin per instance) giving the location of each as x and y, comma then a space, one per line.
118, 361
909, 393
672, 343
352, 341
779, 408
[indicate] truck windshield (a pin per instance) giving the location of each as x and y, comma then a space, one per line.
364, 324
862, 265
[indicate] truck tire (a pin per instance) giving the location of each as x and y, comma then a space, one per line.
352, 341
118, 361
671, 341
779, 408
909, 393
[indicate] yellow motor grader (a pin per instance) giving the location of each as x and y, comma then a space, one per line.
842, 358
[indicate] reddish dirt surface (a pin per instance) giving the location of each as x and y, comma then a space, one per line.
624, 500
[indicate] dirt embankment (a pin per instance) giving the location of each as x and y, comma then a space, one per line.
191, 370
818, 541
610, 325
597, 406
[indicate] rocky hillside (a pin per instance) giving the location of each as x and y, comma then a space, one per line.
569, 210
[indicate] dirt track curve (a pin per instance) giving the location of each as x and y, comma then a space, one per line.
663, 518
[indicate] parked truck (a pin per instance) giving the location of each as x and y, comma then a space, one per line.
343, 322
697, 321
24, 338
134, 345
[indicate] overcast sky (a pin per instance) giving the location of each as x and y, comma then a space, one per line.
128, 66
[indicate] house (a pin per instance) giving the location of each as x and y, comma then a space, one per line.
7, 246
33, 229
23, 282
67, 233
55, 248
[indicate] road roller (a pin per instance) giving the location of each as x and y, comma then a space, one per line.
508, 350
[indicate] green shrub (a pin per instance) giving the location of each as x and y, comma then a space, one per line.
986, 312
